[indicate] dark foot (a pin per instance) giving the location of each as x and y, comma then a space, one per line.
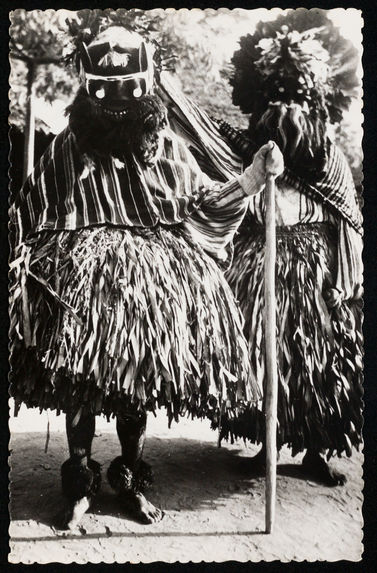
317, 468
140, 508
128, 484
258, 462
80, 483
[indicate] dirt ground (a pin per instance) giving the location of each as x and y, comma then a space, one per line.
213, 502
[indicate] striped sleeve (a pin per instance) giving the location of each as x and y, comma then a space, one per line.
222, 208
215, 223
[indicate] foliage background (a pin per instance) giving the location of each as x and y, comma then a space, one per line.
201, 41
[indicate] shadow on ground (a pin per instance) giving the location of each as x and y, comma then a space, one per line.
188, 475
213, 498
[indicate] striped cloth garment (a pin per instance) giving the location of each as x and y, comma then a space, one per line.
201, 134
66, 193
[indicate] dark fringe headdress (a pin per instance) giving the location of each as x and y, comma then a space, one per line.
139, 132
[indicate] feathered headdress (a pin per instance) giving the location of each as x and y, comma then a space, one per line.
300, 58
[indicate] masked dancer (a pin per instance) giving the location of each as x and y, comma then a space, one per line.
118, 303
296, 90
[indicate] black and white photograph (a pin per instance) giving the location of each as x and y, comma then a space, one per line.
186, 349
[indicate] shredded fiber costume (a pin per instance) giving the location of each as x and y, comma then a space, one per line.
286, 80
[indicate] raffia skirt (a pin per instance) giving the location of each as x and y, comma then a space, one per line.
319, 349
134, 317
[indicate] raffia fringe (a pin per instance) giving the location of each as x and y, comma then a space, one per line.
158, 326
320, 349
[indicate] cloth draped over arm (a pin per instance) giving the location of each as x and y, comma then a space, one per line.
221, 209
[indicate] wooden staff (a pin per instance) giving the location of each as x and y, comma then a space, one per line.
270, 342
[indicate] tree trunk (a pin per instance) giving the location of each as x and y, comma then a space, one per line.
29, 123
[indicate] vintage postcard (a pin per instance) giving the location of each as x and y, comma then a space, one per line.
185, 285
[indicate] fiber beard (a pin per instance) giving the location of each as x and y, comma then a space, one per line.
300, 135
138, 132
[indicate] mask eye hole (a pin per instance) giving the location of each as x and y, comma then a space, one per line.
138, 92
96, 89
100, 93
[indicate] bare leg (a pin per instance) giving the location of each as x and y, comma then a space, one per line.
80, 474
124, 472
317, 467
131, 430
80, 435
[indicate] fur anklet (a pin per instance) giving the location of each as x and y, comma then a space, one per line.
80, 481
122, 479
